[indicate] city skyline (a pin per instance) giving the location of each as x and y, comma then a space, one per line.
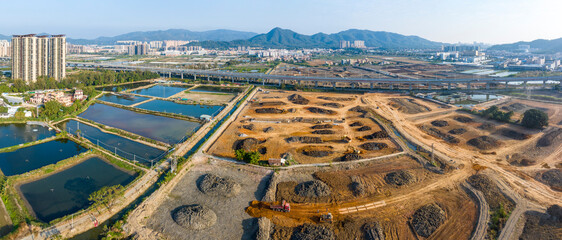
442, 21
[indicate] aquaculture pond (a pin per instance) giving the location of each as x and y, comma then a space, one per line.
183, 109
168, 130
123, 87
123, 99
124, 147
162, 91
18, 133
30, 158
67, 192
209, 89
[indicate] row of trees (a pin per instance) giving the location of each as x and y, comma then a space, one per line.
495, 113
252, 157
532, 118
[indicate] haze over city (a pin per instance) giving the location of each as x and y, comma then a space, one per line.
500, 21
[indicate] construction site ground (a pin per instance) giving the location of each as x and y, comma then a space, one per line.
333, 124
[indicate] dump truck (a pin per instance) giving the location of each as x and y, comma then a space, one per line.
284, 207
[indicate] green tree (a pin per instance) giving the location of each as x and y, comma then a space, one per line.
534, 118
106, 196
52, 109
252, 157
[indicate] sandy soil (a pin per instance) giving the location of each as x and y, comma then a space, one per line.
206, 98
554, 111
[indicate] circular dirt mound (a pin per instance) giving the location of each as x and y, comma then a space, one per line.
484, 142
313, 189
457, 131
373, 231
323, 131
217, 186
487, 127
363, 129
357, 188
553, 178
356, 124
351, 157
267, 129
247, 144
549, 138
379, 134
298, 99
373, 146
399, 178
463, 119
440, 123
333, 105
427, 219
320, 110
313, 232
322, 126
194, 217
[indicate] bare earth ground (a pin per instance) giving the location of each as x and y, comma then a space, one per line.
554, 111
296, 120
207, 98
232, 221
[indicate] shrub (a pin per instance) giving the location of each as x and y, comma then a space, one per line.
534, 118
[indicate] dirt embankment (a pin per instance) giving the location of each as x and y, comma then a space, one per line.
493, 195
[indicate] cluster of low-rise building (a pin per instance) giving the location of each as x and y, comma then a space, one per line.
65, 99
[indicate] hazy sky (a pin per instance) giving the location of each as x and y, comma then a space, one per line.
490, 21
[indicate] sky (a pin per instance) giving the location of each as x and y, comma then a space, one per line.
449, 21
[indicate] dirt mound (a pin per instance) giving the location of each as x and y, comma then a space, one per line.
194, 217
494, 197
373, 146
457, 131
333, 105
542, 226
359, 109
555, 211
212, 184
514, 107
250, 127
298, 99
521, 160
484, 142
272, 103
317, 153
399, 178
313, 189
427, 219
320, 110
351, 157
269, 110
373, 231
337, 99
267, 129
438, 134
357, 188
304, 139
553, 178
549, 138
248, 144
463, 119
513, 134
356, 124
379, 134
313, 232
323, 131
408, 106
440, 123
322, 126
487, 127
363, 129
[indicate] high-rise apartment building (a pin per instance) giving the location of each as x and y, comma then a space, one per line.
34, 56
5, 49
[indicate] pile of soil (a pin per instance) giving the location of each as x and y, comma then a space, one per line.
553, 178
427, 219
214, 185
337, 99
262, 150
373, 146
272, 103
313, 189
521, 160
333, 105
269, 110
304, 139
555, 211
313, 232
399, 178
379, 134
357, 188
351, 157
363, 129
513, 134
298, 99
320, 110
487, 127
457, 131
356, 124
248, 144
359, 109
543, 226
316, 153
267, 129
514, 107
493, 195
409, 106
463, 119
373, 231
440, 123
323, 131
250, 127
437, 133
194, 217
549, 138
322, 126
484, 142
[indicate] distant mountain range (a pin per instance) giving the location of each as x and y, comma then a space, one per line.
540, 45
